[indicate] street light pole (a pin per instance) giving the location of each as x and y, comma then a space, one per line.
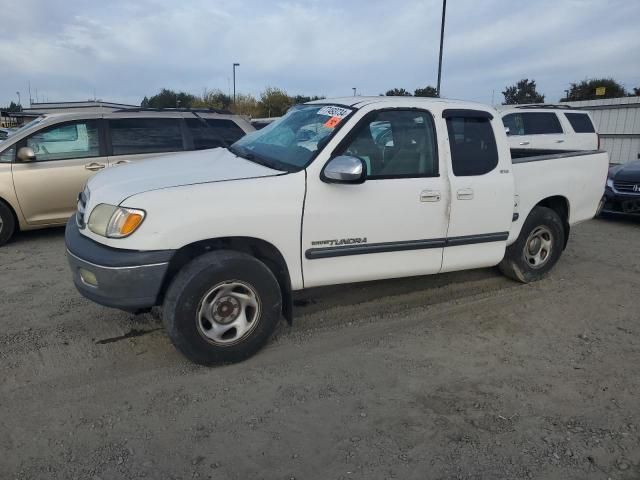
234, 81
19, 102
444, 9
354, 91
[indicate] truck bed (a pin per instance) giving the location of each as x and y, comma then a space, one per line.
579, 177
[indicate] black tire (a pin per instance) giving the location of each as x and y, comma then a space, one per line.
518, 263
7, 223
192, 287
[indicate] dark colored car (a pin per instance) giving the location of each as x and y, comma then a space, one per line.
622, 194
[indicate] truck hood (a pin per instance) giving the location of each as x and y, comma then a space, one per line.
115, 184
629, 172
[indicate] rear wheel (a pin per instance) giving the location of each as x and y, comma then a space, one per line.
7, 223
537, 249
222, 307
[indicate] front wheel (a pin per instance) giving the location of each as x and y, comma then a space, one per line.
7, 223
537, 249
222, 307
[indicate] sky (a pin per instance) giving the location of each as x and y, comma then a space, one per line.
121, 50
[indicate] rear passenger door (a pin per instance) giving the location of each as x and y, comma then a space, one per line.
540, 131
482, 191
135, 138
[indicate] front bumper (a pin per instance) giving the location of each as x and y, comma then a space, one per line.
130, 280
617, 202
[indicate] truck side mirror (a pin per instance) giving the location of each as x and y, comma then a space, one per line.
344, 169
506, 130
26, 154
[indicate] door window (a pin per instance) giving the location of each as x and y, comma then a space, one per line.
145, 135
532, 123
473, 146
8, 154
396, 144
67, 141
213, 132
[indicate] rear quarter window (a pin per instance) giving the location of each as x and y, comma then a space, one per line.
213, 132
580, 122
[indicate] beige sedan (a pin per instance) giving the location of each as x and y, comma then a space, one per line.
45, 164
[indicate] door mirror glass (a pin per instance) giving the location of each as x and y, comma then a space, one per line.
344, 169
26, 154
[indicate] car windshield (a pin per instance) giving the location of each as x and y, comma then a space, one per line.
30, 124
292, 141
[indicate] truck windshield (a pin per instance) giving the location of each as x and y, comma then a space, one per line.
292, 141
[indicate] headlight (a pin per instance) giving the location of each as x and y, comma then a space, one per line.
610, 182
115, 222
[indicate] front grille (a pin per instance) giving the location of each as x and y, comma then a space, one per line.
627, 187
83, 198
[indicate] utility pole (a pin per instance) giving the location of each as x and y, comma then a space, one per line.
444, 9
30, 100
234, 81
354, 91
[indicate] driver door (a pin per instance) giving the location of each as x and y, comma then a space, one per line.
67, 154
392, 225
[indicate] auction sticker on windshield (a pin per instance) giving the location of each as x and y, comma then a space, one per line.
332, 122
333, 111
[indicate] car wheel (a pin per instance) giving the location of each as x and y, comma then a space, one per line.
537, 249
7, 223
222, 307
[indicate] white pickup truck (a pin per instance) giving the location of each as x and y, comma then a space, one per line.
336, 191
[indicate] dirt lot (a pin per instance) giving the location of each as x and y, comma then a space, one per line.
464, 375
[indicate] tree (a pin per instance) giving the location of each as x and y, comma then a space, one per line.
145, 102
14, 107
397, 92
304, 99
274, 102
215, 99
246, 105
586, 90
169, 99
522, 92
427, 91
636, 92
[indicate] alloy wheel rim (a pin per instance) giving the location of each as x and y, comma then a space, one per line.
228, 312
538, 247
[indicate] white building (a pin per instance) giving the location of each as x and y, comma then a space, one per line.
618, 123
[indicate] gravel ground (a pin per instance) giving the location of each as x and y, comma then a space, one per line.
464, 375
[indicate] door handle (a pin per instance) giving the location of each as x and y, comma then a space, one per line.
525, 142
429, 196
122, 162
94, 167
465, 194
559, 141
